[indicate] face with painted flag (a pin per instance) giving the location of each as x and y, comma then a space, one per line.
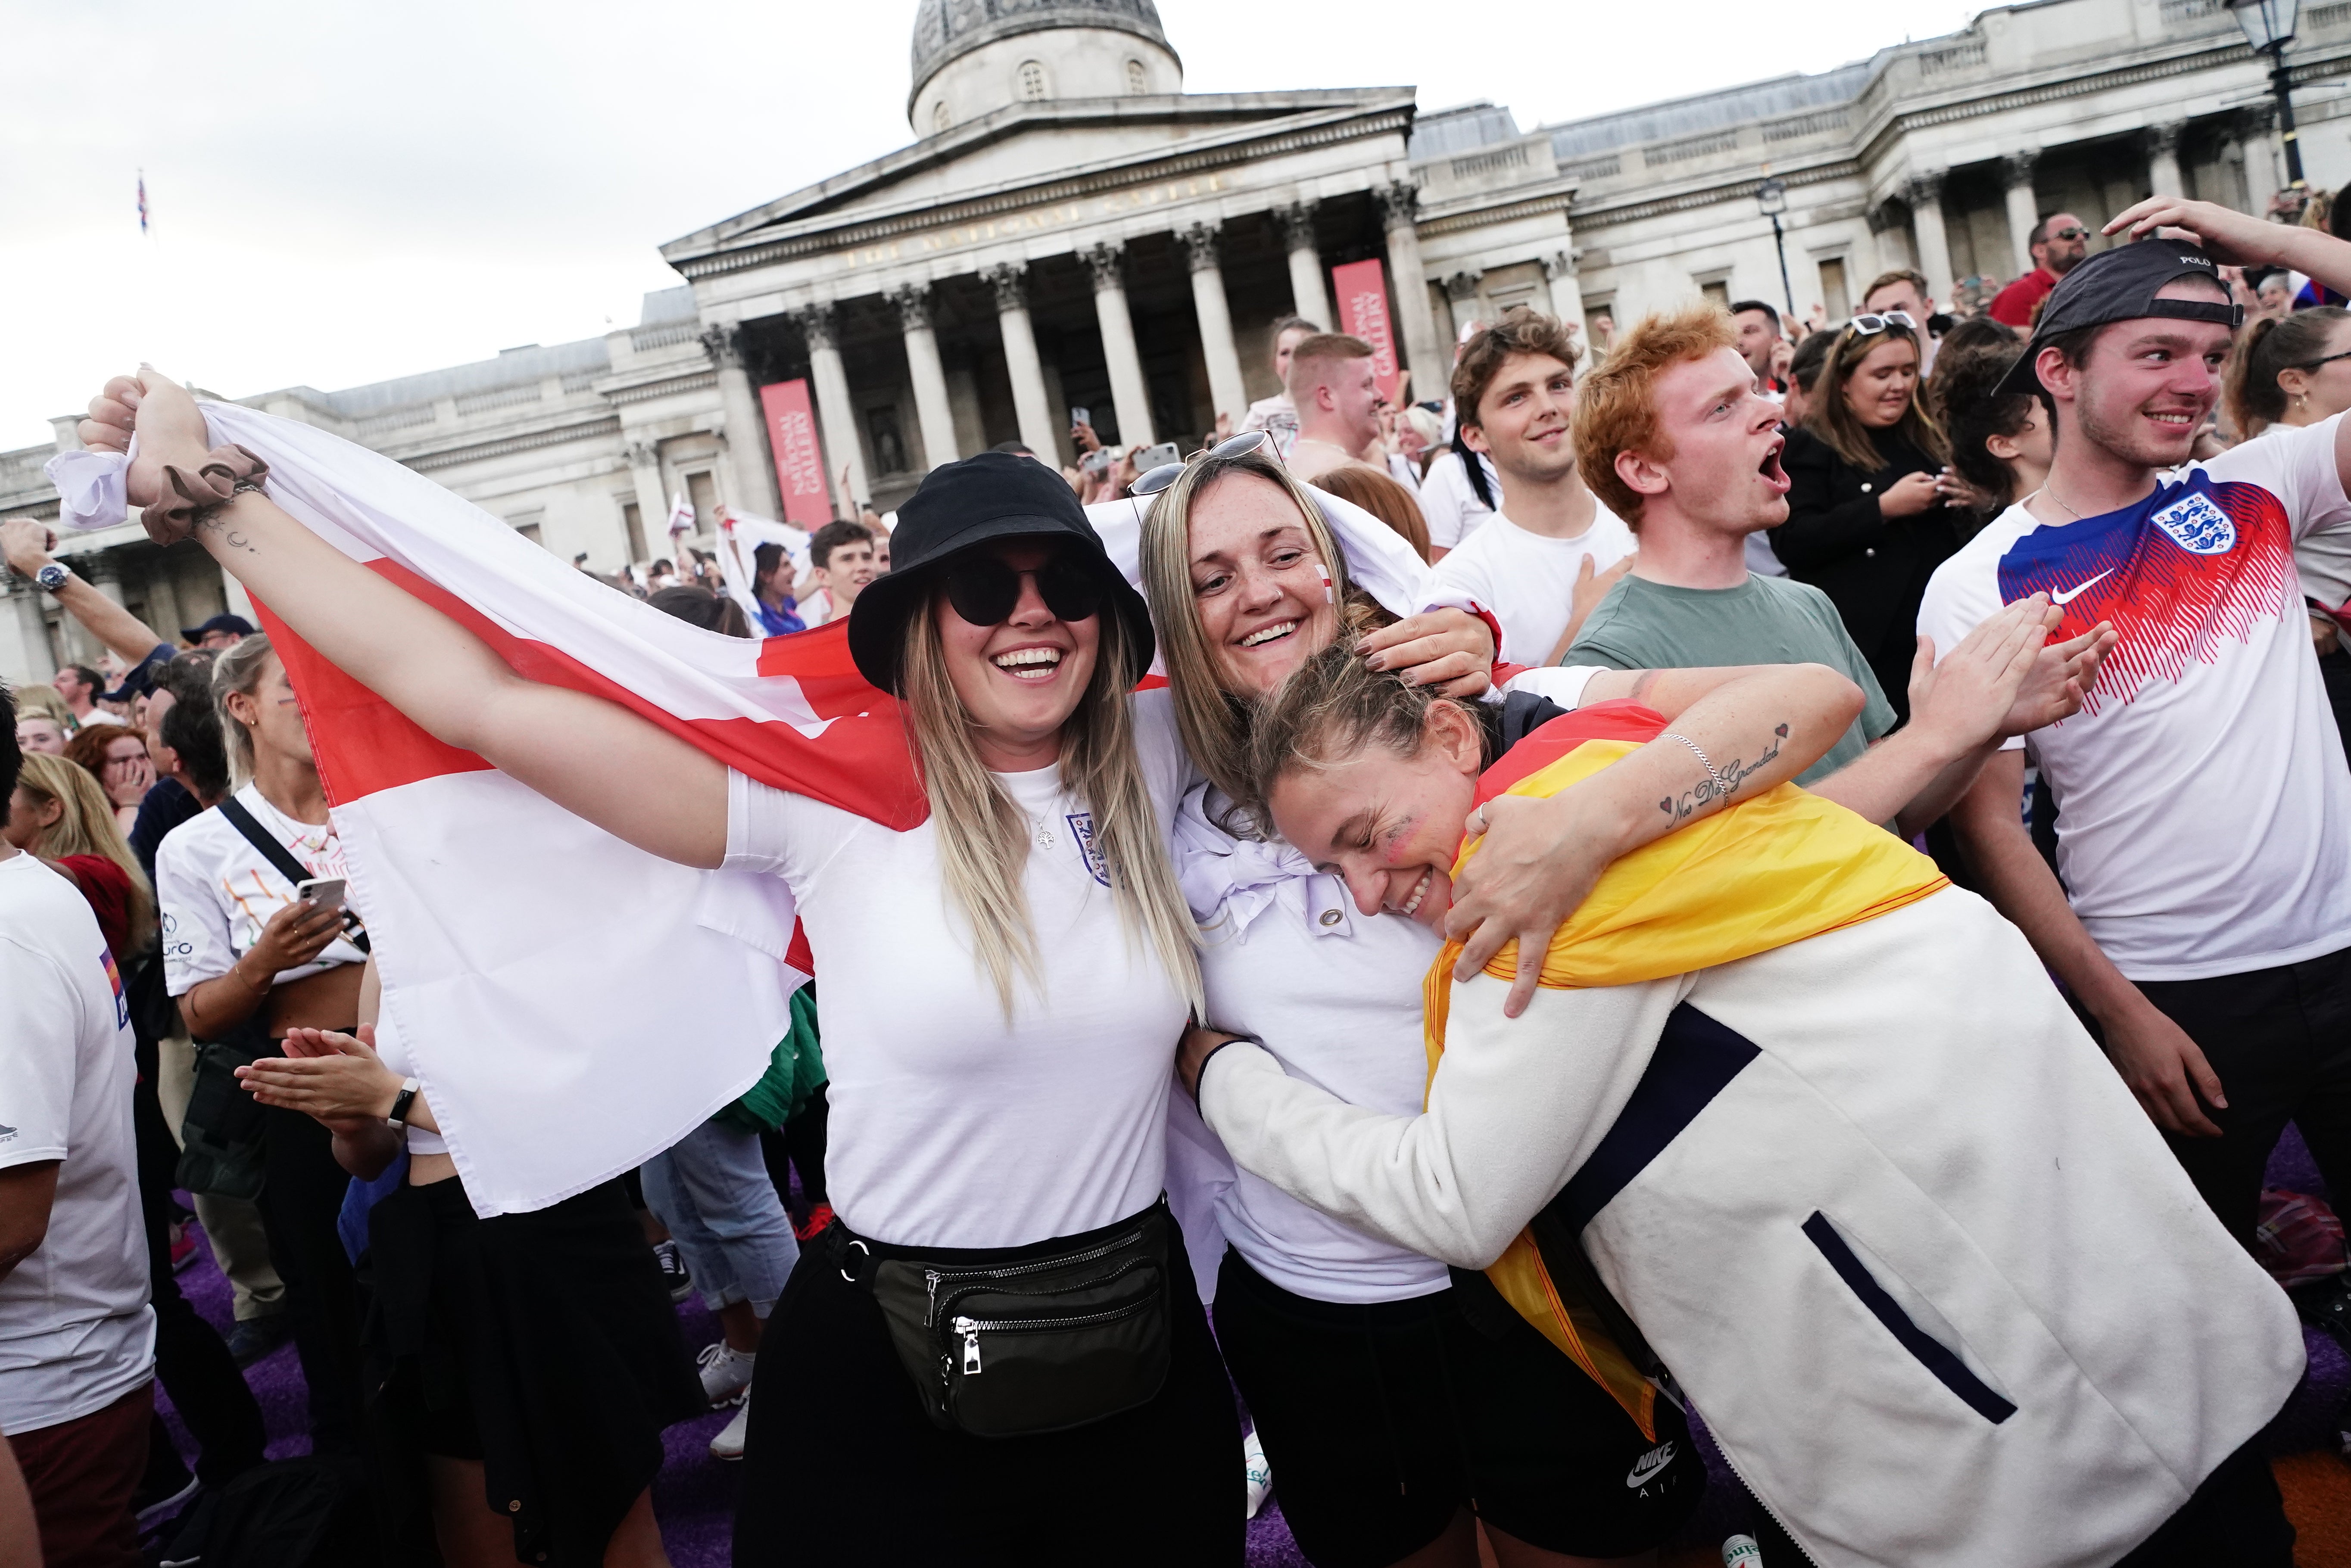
1387, 819
1258, 583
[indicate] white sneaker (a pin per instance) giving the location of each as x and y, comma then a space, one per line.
728, 1443
726, 1373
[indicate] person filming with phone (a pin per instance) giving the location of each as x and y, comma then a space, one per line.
257, 941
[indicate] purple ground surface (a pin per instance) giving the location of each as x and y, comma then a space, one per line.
694, 1495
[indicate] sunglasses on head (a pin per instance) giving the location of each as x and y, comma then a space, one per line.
1168, 474
986, 589
1862, 326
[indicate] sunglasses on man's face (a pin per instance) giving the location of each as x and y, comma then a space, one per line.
1168, 474
986, 589
2069, 233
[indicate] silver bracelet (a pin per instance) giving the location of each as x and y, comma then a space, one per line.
1721, 790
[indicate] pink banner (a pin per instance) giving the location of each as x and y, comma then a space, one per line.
1364, 311
799, 461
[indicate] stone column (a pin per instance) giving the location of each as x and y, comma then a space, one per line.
1032, 406
653, 506
836, 418
1566, 289
1308, 298
1925, 194
2265, 175
161, 595
913, 303
1226, 391
1890, 242
2024, 209
1406, 282
1130, 396
28, 654
753, 468
2163, 177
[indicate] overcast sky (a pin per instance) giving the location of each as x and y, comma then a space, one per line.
344, 192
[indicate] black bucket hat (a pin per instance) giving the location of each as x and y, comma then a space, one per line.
2120, 284
981, 500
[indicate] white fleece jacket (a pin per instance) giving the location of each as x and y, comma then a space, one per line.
1882, 1209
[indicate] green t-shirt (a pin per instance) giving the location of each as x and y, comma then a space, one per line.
1643, 625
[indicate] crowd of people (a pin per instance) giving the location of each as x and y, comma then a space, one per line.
1783, 879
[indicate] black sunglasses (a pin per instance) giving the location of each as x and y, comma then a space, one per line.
2069, 233
986, 589
1168, 474
2315, 364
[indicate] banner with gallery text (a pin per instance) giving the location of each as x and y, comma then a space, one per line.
1362, 294
799, 461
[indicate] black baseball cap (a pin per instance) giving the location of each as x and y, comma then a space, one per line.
961, 505
235, 623
2120, 284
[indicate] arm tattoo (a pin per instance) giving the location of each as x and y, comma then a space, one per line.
1721, 782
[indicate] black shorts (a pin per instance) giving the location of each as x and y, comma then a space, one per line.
844, 1466
1381, 1422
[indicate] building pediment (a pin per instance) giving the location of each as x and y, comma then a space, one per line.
1028, 157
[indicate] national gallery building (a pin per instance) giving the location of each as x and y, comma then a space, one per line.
1071, 229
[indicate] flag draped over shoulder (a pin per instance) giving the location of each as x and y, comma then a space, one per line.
572, 1004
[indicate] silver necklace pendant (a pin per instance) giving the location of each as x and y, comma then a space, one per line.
1044, 833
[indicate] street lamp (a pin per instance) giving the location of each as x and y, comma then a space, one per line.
1771, 199
2269, 28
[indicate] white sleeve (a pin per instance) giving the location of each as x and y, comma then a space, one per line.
2300, 468
1441, 501
782, 834
41, 1019
1515, 1106
1561, 684
1962, 595
1464, 571
196, 941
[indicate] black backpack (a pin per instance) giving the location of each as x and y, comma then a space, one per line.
295, 1514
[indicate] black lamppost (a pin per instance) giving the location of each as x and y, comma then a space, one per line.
1771, 197
2269, 28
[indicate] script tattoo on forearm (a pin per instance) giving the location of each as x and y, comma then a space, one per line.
1731, 774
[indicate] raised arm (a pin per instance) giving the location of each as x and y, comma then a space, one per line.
595, 758
1754, 727
28, 545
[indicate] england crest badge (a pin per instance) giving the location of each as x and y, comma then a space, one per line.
2197, 524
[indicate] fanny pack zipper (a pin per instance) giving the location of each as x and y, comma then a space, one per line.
933, 1278
971, 1328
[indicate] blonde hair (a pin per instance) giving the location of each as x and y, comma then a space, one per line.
1336, 707
239, 669
39, 699
86, 827
1213, 719
983, 837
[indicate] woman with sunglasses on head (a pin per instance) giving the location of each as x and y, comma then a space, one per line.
1866, 523
1399, 1404
998, 1345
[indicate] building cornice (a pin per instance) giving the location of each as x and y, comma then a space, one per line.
694, 380
482, 451
1497, 207
1264, 142
1734, 186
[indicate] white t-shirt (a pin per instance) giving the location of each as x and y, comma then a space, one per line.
2203, 805
1277, 414
217, 892
76, 1333
951, 1127
1449, 505
1527, 581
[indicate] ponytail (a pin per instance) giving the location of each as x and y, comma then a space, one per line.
2270, 346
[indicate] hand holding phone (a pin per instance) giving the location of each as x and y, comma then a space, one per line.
325, 892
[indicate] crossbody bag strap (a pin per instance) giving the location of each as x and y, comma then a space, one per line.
281, 858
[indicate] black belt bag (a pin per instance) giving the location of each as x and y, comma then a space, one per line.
1009, 1342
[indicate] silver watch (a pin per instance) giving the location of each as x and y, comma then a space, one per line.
54, 576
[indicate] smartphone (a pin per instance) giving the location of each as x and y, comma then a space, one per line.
1081, 416
327, 892
1095, 461
1159, 456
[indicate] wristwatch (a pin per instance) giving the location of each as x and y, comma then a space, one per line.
398, 1119
54, 576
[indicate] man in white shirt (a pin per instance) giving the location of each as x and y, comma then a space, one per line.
1277, 413
840, 558
2204, 807
76, 1337
1551, 541
1338, 399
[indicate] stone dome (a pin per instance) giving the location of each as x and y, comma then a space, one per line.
949, 31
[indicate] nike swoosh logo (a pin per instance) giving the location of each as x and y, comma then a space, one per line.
2077, 590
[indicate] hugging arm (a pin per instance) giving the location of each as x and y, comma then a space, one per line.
592, 757
1514, 1107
